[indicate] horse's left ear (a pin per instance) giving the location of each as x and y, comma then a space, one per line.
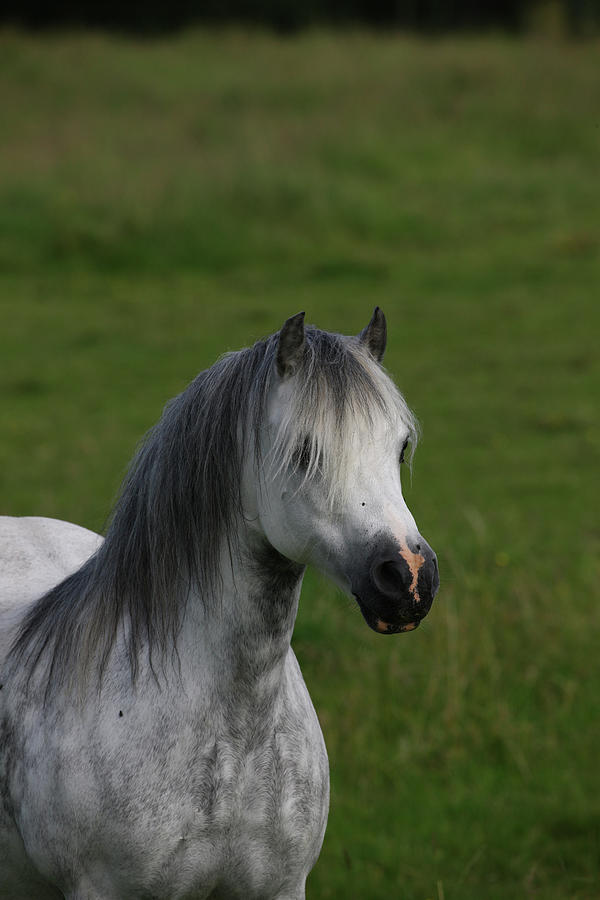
290, 345
375, 335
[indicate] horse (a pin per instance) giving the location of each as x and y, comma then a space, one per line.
157, 739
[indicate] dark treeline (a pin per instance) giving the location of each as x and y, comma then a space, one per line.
289, 15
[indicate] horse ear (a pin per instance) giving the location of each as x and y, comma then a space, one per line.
290, 344
375, 335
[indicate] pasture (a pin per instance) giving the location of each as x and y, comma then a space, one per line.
164, 201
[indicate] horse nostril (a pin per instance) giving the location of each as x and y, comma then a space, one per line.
390, 577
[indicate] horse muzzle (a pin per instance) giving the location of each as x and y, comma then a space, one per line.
398, 588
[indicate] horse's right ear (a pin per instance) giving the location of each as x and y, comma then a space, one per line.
374, 336
290, 345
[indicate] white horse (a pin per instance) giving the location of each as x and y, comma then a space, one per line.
156, 736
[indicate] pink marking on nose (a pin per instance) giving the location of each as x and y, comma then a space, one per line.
414, 561
384, 627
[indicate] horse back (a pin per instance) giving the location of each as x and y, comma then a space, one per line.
36, 554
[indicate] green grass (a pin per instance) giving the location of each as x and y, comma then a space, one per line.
161, 202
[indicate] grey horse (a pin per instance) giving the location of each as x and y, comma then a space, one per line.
157, 739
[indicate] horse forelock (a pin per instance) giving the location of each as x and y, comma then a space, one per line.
340, 396
182, 497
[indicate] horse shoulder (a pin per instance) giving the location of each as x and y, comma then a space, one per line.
303, 754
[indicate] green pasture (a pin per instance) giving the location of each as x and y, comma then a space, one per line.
164, 201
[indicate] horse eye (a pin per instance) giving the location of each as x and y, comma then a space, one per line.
404, 446
302, 455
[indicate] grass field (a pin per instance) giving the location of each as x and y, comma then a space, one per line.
162, 202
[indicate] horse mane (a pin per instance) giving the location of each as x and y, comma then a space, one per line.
182, 496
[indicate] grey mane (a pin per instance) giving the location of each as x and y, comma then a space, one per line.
182, 496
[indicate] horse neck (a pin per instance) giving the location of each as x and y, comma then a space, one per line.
241, 636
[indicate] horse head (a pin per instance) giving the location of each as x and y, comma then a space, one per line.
334, 437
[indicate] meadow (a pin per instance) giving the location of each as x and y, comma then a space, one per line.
167, 200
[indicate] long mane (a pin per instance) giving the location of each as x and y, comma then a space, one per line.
181, 499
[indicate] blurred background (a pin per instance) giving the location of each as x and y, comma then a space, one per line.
175, 181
